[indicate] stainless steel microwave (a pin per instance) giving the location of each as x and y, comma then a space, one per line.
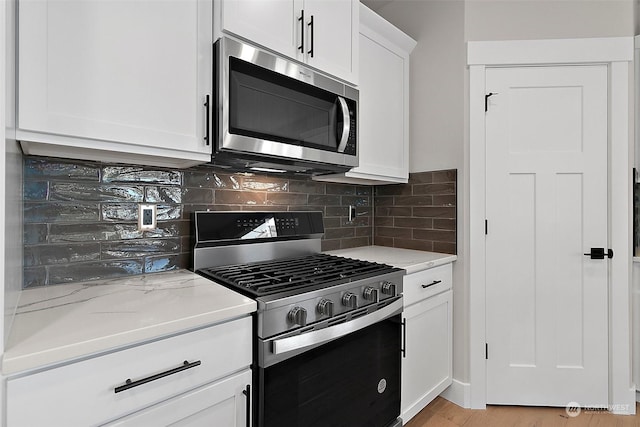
275, 115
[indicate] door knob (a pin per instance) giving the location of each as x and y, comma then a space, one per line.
599, 253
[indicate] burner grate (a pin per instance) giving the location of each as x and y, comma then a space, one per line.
289, 274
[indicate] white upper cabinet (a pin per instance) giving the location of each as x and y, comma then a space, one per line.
383, 120
122, 81
321, 33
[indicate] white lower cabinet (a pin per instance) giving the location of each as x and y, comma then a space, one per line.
191, 377
428, 346
223, 403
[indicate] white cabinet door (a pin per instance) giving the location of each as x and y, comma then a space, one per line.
427, 365
383, 120
119, 77
320, 33
221, 404
331, 38
271, 23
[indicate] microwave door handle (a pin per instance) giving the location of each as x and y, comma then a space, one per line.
346, 124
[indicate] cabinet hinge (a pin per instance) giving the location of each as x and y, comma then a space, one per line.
486, 227
486, 351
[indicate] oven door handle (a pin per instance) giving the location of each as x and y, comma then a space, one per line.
296, 342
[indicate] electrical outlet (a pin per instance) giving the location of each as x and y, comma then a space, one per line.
147, 216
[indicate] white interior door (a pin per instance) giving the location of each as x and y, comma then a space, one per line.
546, 202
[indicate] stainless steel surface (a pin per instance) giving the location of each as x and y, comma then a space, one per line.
350, 300
346, 124
280, 348
370, 294
388, 288
272, 150
325, 307
297, 316
273, 309
225, 255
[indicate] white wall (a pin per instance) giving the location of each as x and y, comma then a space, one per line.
439, 127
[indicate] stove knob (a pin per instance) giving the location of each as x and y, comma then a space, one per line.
350, 300
298, 316
388, 288
325, 307
370, 293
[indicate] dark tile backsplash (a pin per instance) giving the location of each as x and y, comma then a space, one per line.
81, 217
419, 215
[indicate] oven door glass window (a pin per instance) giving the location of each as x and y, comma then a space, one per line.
350, 382
267, 105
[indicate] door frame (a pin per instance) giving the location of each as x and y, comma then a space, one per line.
617, 54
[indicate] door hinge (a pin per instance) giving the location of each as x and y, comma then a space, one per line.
486, 100
486, 351
486, 227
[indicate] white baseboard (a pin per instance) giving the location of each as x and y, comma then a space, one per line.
458, 393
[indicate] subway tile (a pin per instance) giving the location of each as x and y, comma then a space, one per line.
412, 200
229, 197
364, 231
444, 247
434, 235
38, 168
340, 189
138, 248
307, 208
435, 189
307, 187
445, 176
169, 212
418, 245
60, 254
444, 224
383, 241
413, 222
197, 196
324, 200
169, 229
264, 183
60, 212
393, 190
434, 212
60, 233
287, 198
209, 178
359, 201
383, 201
161, 263
88, 192
35, 233
32, 277
354, 242
444, 200
260, 208
337, 211
363, 190
331, 222
402, 233
163, 195
384, 221
35, 190
119, 212
339, 233
139, 174
394, 211
330, 245
358, 221
93, 270
420, 178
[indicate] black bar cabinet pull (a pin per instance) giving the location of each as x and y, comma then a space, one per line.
301, 19
404, 338
206, 119
599, 253
247, 392
131, 384
311, 25
435, 282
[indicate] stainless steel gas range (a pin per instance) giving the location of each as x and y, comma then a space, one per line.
328, 333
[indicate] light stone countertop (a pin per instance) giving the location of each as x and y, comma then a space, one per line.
64, 322
410, 260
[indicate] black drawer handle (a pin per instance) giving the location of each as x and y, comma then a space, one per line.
131, 384
247, 392
435, 282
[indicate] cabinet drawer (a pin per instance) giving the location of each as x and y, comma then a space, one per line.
83, 393
423, 284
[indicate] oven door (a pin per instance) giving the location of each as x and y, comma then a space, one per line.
350, 381
269, 109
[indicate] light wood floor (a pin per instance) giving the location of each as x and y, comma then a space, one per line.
442, 413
